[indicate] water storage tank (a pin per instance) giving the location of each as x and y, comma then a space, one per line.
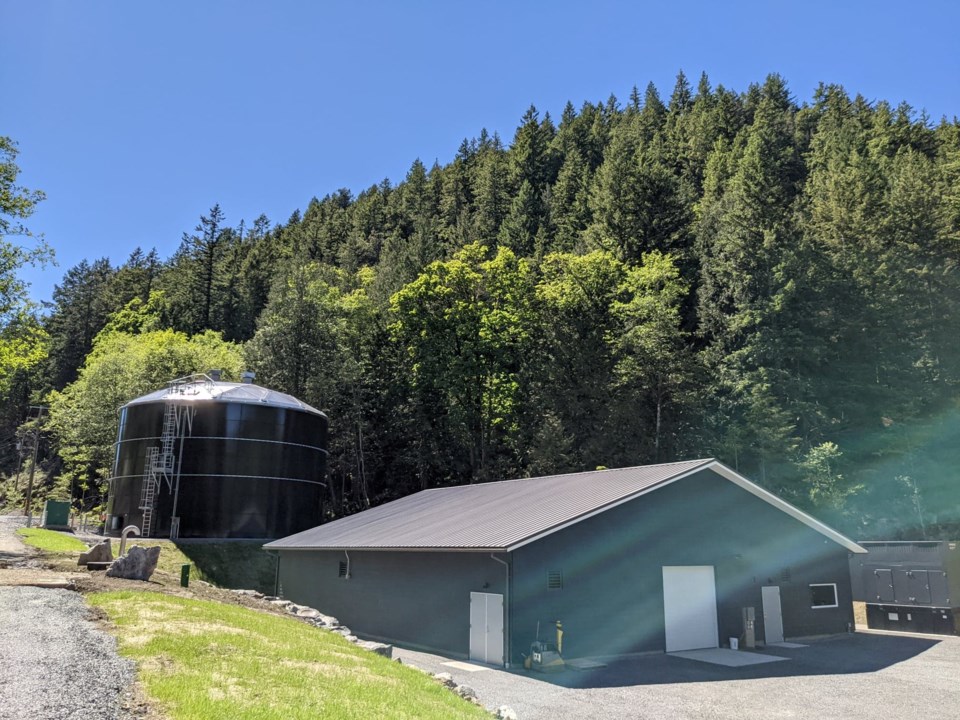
210, 459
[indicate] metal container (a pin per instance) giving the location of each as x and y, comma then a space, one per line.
911, 586
56, 514
210, 459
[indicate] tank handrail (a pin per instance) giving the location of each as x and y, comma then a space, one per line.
177, 384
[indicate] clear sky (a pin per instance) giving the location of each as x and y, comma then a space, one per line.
136, 117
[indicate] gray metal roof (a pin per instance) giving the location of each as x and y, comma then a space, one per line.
228, 392
488, 516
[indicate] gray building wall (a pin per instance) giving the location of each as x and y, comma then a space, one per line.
612, 597
611, 600
418, 599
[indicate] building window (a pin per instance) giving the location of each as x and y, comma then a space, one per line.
554, 580
823, 595
343, 569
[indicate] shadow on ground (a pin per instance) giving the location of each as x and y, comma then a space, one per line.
844, 655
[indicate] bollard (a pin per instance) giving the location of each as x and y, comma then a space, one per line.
184, 575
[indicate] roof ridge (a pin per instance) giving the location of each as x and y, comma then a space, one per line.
698, 461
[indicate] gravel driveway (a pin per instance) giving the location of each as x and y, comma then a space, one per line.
863, 676
54, 662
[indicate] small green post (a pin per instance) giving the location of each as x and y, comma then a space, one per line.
185, 575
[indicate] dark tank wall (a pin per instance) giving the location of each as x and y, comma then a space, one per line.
247, 471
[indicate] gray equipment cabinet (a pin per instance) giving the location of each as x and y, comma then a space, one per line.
910, 586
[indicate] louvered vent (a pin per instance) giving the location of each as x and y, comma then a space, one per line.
343, 569
554, 580
785, 574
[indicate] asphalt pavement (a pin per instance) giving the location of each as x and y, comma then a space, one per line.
863, 676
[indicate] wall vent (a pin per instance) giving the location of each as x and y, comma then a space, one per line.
785, 575
342, 572
554, 580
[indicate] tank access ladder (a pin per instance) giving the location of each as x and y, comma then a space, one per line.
159, 466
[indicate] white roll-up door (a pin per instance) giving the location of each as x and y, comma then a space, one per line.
690, 607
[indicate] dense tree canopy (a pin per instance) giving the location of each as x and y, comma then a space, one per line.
720, 273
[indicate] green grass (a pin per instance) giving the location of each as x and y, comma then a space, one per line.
51, 541
202, 659
232, 564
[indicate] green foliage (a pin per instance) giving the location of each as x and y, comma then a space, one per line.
729, 274
466, 325
201, 659
17, 203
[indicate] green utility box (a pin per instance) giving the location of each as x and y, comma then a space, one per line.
56, 514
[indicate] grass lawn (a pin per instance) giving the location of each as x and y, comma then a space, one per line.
51, 541
202, 659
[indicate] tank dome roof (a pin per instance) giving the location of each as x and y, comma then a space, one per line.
206, 390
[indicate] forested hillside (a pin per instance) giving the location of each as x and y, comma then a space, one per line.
716, 273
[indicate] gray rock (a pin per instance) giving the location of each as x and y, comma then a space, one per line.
465, 691
101, 552
250, 593
445, 678
328, 620
505, 712
281, 603
308, 612
377, 648
138, 564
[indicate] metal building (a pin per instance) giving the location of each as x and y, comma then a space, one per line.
655, 558
911, 586
204, 458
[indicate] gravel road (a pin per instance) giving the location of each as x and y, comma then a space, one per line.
54, 662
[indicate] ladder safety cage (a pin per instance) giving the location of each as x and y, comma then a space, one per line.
163, 462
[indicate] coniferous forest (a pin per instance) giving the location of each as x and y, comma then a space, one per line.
743, 275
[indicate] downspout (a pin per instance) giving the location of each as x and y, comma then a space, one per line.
348, 564
506, 611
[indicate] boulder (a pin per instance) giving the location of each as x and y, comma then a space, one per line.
101, 552
378, 648
308, 612
466, 692
446, 679
505, 712
138, 564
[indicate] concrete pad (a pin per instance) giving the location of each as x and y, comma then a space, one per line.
786, 645
729, 658
468, 667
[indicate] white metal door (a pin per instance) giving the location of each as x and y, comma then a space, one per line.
772, 614
486, 628
690, 608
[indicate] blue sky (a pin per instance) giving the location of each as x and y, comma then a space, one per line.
136, 117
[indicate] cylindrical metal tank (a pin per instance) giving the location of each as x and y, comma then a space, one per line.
223, 459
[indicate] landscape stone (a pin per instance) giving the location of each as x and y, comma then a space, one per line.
505, 712
445, 678
308, 612
465, 691
138, 564
101, 552
377, 648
